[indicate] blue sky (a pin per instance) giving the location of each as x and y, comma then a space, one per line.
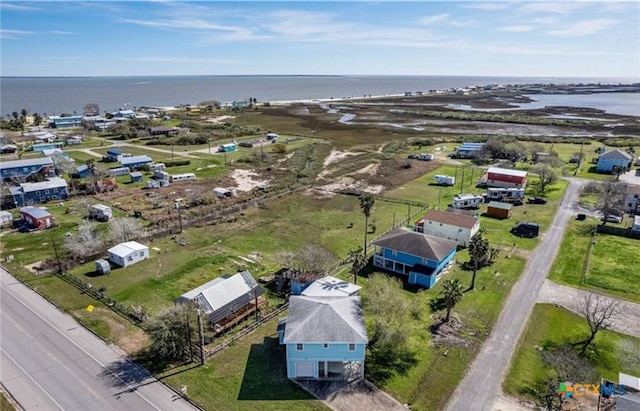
99, 38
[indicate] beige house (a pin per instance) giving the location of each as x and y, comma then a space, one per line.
632, 199
452, 226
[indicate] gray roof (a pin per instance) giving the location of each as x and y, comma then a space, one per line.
223, 296
417, 244
330, 287
325, 320
42, 161
35, 212
135, 159
52, 182
616, 155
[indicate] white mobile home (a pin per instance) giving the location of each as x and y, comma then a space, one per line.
463, 201
182, 177
6, 218
129, 253
425, 157
100, 212
445, 180
501, 194
222, 192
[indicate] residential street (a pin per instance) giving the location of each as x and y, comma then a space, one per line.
571, 299
480, 387
50, 362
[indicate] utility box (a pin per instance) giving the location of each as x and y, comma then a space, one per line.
103, 267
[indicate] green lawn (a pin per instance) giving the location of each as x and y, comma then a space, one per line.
553, 325
611, 270
422, 189
431, 381
249, 375
5, 405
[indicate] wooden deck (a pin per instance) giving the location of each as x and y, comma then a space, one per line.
224, 324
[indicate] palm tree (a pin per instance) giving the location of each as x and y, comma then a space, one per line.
478, 250
452, 292
358, 262
366, 205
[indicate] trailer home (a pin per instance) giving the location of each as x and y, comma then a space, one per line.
425, 157
464, 201
129, 253
445, 180
182, 177
505, 194
100, 212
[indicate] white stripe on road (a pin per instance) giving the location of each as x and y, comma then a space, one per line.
31, 378
132, 388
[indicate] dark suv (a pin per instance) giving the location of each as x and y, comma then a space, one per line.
528, 230
537, 200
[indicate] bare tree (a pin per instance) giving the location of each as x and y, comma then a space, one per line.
546, 173
611, 198
601, 313
314, 258
91, 109
125, 229
85, 242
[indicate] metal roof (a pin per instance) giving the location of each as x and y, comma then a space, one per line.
445, 217
616, 154
507, 172
42, 161
325, 320
501, 205
52, 182
124, 249
35, 212
135, 159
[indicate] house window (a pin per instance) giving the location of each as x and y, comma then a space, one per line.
299, 347
352, 347
130, 258
325, 345
394, 253
55, 190
47, 191
440, 224
38, 193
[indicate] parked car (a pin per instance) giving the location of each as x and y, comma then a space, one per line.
581, 217
612, 219
525, 229
537, 200
248, 144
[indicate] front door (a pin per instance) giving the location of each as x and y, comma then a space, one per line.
413, 277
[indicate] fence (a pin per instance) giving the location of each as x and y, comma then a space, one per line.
220, 347
621, 232
135, 316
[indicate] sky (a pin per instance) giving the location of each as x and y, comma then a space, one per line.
472, 38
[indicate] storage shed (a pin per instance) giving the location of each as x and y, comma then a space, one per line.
103, 266
227, 299
37, 218
498, 209
129, 253
221, 192
5, 218
136, 176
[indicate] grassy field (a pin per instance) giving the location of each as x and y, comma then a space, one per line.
5, 405
431, 381
423, 189
553, 325
251, 374
611, 270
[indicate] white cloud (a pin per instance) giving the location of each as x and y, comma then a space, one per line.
17, 7
583, 28
163, 59
487, 6
433, 19
516, 29
461, 23
558, 7
6, 34
544, 21
63, 33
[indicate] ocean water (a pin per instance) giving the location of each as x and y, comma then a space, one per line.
57, 95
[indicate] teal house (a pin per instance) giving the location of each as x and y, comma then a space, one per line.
227, 148
325, 338
614, 158
422, 258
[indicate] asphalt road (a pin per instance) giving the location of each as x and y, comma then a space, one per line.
50, 362
483, 381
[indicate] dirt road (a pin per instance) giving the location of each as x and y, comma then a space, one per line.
482, 384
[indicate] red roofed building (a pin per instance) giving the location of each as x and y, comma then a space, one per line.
506, 178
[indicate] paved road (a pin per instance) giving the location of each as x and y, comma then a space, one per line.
480, 387
50, 362
572, 299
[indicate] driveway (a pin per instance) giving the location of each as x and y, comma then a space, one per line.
483, 381
359, 395
572, 298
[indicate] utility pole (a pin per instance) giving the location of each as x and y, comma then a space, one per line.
225, 158
209, 142
462, 181
189, 335
55, 249
172, 148
203, 358
439, 197
262, 150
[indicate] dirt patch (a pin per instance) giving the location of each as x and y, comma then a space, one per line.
392, 174
246, 179
448, 334
336, 156
505, 403
348, 184
219, 119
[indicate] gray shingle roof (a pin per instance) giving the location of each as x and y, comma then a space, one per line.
325, 320
417, 244
616, 154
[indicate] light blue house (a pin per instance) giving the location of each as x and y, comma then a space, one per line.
227, 148
325, 338
65, 122
612, 158
135, 161
422, 258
